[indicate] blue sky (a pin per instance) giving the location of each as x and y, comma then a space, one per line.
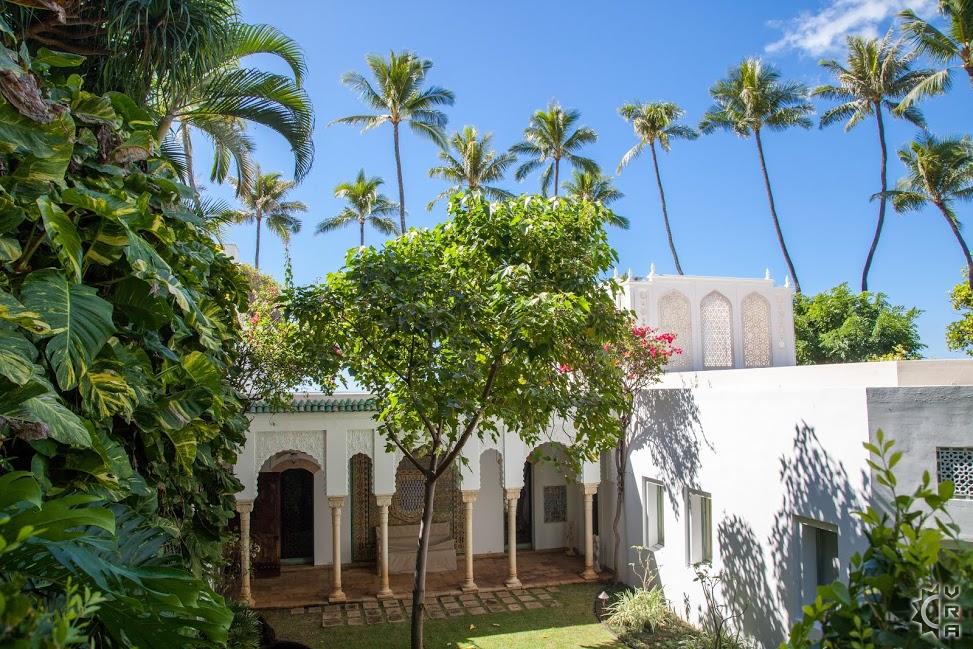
506, 58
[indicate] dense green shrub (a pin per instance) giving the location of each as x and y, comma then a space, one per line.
638, 609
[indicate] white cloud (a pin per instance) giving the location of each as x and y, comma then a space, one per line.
824, 31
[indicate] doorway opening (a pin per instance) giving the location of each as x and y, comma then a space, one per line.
296, 516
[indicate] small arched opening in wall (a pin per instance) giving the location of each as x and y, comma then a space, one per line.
556, 516
282, 521
757, 337
364, 509
675, 317
716, 329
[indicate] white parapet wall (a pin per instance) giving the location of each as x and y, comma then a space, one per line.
719, 322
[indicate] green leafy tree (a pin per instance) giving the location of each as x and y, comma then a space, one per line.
267, 202
399, 97
597, 188
474, 167
551, 136
839, 326
939, 172
753, 97
461, 330
229, 95
912, 545
959, 334
656, 122
877, 74
949, 47
366, 206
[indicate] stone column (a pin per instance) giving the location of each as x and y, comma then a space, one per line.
244, 507
469, 497
512, 496
336, 503
383, 503
589, 573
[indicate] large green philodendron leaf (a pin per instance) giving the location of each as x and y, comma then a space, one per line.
63, 236
134, 299
16, 313
175, 416
9, 249
81, 322
105, 391
17, 356
59, 422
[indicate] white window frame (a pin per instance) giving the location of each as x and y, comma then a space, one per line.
705, 530
655, 490
808, 582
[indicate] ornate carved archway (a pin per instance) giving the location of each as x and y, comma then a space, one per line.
406, 508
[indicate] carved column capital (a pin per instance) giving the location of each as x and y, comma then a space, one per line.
514, 493
470, 496
336, 502
244, 506
590, 488
383, 500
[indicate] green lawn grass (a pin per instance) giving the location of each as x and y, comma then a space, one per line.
572, 626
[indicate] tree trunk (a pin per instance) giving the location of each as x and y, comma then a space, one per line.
256, 254
773, 212
419, 588
187, 147
882, 201
621, 451
164, 125
665, 211
962, 242
557, 173
361, 232
398, 172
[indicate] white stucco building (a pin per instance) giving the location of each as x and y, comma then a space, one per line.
739, 457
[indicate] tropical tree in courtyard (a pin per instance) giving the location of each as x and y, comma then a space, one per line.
550, 137
366, 206
462, 330
877, 74
959, 334
474, 167
597, 188
266, 201
949, 47
656, 122
938, 173
753, 97
228, 96
398, 97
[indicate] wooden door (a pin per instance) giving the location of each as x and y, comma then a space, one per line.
265, 525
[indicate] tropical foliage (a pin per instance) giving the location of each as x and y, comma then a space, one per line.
398, 97
656, 122
474, 167
464, 328
366, 206
596, 187
751, 98
118, 326
551, 137
950, 47
877, 75
959, 334
939, 172
912, 547
839, 326
268, 201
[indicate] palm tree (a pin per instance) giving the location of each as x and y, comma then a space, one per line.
365, 206
228, 96
266, 202
955, 44
656, 122
751, 98
474, 166
877, 74
399, 97
939, 172
549, 138
595, 187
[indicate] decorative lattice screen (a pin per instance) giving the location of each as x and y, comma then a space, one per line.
717, 331
756, 331
675, 317
364, 509
406, 508
956, 465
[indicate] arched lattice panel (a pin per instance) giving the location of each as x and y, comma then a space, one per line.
757, 351
716, 320
364, 509
406, 508
675, 317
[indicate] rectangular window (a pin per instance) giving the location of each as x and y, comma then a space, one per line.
956, 465
819, 556
654, 499
699, 506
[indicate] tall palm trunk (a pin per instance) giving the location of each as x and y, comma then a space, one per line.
962, 242
882, 200
398, 172
361, 231
557, 174
187, 147
419, 587
665, 211
773, 211
256, 254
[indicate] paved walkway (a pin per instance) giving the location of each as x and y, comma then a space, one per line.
399, 610
308, 586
